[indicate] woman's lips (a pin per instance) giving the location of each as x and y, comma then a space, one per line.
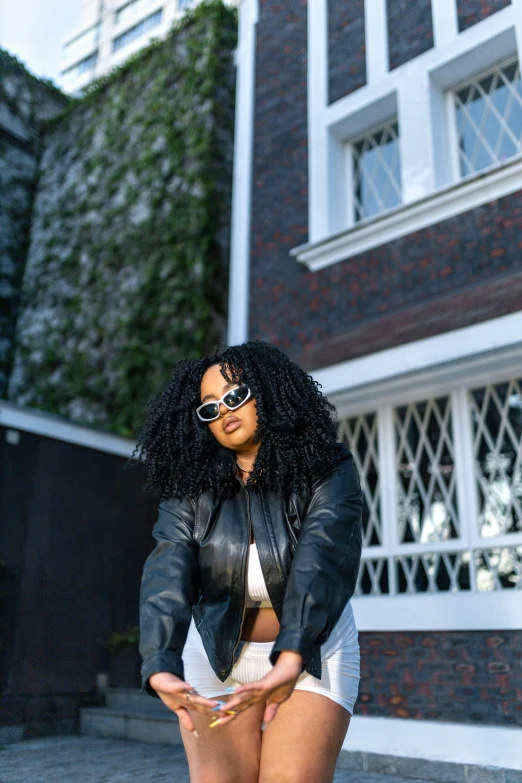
229, 425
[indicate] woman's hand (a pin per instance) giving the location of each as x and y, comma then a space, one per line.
172, 691
274, 688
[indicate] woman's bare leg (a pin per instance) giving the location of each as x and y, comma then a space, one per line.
302, 743
225, 754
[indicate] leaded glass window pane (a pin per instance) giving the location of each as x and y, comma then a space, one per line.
433, 572
499, 569
425, 466
360, 434
373, 578
496, 414
489, 119
376, 172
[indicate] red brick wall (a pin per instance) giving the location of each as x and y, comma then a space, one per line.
465, 677
458, 272
346, 48
472, 11
410, 30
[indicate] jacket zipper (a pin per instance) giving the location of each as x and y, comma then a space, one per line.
245, 572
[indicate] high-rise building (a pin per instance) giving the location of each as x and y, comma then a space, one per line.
109, 32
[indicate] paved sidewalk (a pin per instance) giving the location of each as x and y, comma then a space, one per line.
93, 760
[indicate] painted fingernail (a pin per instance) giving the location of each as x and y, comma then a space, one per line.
263, 726
218, 706
216, 723
195, 734
232, 689
231, 712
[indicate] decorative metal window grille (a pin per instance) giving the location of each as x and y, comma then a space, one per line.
489, 119
373, 577
376, 172
496, 414
360, 435
499, 569
442, 479
139, 29
434, 572
425, 464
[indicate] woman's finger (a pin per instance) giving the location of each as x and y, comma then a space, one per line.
185, 719
271, 711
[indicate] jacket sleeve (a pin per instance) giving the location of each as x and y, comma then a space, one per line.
326, 562
169, 589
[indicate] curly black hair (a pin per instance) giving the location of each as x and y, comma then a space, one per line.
296, 427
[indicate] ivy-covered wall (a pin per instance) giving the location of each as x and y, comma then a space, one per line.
127, 266
25, 103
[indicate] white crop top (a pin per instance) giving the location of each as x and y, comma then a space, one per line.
257, 595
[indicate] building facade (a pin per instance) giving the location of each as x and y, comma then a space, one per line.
109, 32
376, 238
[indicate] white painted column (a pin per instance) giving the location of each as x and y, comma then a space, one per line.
376, 27
318, 155
416, 133
517, 17
239, 283
387, 479
445, 25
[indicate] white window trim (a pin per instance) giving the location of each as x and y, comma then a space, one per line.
51, 426
497, 746
330, 242
239, 278
408, 218
451, 113
468, 357
440, 612
460, 359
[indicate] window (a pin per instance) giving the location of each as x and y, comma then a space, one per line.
442, 480
135, 32
376, 172
182, 4
489, 119
496, 412
84, 38
130, 11
87, 64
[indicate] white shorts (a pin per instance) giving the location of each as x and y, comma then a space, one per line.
340, 670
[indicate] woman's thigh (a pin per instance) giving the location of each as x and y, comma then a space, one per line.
303, 742
225, 754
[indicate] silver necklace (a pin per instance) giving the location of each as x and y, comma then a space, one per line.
248, 472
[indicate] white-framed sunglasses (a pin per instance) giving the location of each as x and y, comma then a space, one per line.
233, 399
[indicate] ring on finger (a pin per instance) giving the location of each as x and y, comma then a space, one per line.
188, 694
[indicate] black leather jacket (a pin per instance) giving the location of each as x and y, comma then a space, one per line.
309, 546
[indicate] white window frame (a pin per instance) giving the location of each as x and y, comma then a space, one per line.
449, 363
428, 184
349, 183
451, 113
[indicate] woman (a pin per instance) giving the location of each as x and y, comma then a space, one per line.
247, 632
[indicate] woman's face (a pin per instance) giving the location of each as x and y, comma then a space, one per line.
234, 429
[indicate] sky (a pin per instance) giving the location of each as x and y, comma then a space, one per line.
33, 30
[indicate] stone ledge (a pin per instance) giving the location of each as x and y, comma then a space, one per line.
142, 727
427, 769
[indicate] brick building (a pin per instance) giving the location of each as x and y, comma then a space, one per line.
377, 237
